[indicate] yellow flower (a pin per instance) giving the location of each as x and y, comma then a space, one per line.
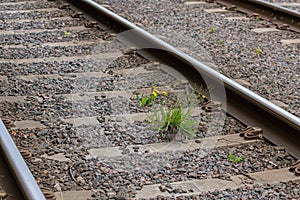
154, 87
154, 93
201, 95
164, 93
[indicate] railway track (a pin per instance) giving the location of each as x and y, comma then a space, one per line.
68, 98
292, 5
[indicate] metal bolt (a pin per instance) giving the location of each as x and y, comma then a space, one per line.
49, 195
91, 24
283, 26
64, 6
25, 153
130, 50
233, 8
77, 15
255, 15
8, 123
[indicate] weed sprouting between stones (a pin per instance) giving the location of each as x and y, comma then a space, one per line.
170, 114
258, 50
234, 159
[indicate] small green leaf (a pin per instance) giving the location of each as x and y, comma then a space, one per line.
144, 101
152, 97
138, 99
234, 159
67, 34
258, 51
231, 157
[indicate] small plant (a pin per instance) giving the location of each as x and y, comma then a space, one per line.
171, 115
67, 34
146, 101
234, 158
258, 50
211, 30
220, 41
170, 120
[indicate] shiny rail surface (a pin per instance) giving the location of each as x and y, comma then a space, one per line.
279, 126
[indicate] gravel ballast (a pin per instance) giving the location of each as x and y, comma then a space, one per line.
27, 6
274, 74
289, 190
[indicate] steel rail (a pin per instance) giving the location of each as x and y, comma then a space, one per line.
7, 182
279, 126
18, 167
276, 14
